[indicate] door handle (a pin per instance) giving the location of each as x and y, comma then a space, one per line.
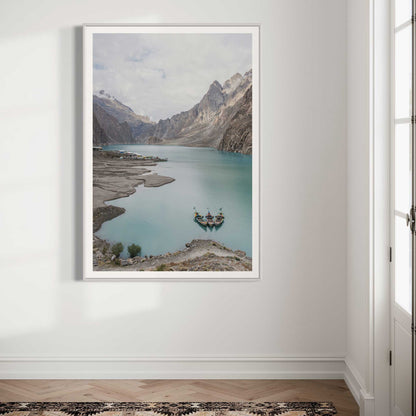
411, 219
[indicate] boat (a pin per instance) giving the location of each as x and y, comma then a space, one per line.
200, 219
210, 219
219, 219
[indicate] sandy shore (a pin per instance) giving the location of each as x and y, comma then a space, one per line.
115, 178
198, 255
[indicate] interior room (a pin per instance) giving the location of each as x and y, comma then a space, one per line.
212, 207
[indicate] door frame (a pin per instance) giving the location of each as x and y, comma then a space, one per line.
380, 74
391, 295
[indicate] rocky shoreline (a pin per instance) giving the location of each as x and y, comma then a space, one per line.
115, 178
198, 255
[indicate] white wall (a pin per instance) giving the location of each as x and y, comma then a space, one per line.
298, 309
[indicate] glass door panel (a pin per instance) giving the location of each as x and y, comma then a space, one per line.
403, 72
403, 11
403, 168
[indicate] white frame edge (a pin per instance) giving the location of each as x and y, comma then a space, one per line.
88, 273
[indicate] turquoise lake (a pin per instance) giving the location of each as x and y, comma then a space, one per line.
160, 219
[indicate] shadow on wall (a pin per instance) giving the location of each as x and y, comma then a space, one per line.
71, 137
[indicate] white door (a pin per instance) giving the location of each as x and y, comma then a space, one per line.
401, 270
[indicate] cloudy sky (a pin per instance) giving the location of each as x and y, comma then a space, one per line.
160, 75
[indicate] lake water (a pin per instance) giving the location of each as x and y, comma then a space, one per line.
160, 219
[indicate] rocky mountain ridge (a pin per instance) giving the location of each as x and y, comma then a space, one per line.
107, 129
222, 119
141, 126
238, 137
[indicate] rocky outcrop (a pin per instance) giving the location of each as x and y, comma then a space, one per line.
197, 256
211, 102
107, 129
103, 214
232, 83
238, 136
141, 126
99, 136
154, 140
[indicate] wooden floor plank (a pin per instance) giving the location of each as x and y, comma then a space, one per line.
181, 390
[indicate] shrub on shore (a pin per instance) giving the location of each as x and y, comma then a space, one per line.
134, 250
117, 249
162, 267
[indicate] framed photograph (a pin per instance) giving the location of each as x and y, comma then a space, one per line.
171, 152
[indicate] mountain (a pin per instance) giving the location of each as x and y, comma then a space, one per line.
238, 136
206, 122
141, 126
99, 135
107, 129
222, 119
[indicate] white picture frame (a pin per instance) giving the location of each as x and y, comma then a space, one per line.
88, 89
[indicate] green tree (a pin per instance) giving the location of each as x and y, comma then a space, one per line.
134, 250
117, 249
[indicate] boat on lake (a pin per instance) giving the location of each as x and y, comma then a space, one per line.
200, 219
210, 219
219, 219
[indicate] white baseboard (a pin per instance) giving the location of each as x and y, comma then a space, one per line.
357, 387
191, 367
194, 367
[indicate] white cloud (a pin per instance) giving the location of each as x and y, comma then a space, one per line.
160, 75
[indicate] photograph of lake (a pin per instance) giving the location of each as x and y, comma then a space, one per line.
172, 139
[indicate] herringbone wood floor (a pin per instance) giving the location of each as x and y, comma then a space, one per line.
181, 390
